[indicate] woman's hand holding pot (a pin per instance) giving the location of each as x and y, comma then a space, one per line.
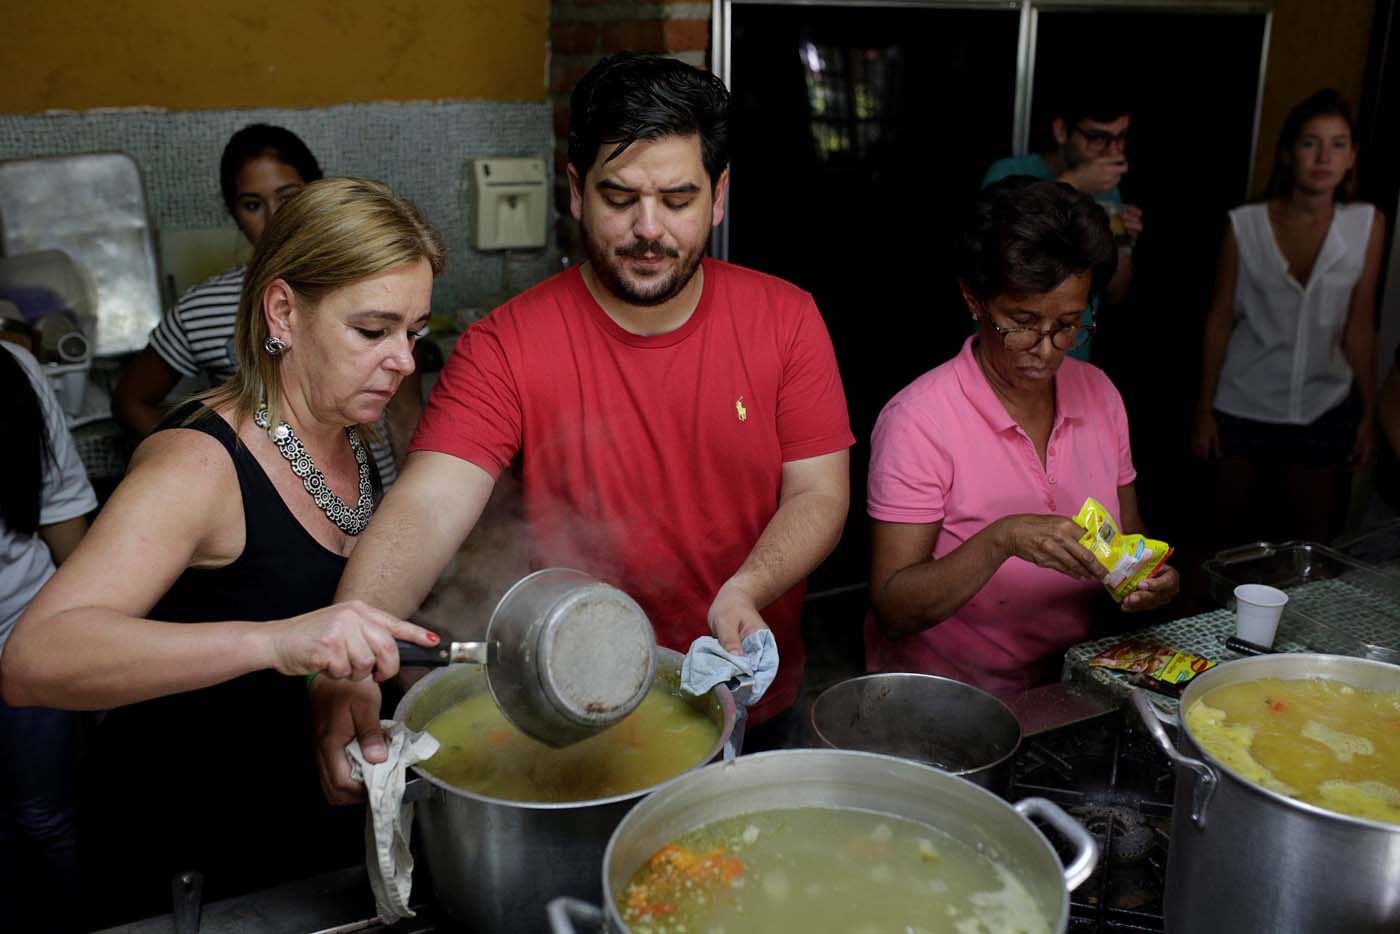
342, 711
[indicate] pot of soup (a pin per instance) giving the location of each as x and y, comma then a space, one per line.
833, 840
944, 723
503, 819
1287, 810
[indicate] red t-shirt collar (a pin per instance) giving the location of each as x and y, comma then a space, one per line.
617, 332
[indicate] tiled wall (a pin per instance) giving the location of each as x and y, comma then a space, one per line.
418, 149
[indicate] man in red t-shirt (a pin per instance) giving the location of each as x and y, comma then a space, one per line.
681, 421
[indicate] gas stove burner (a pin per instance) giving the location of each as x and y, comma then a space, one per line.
1125, 836
1118, 785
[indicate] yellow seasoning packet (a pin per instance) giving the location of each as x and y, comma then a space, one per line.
1129, 558
1159, 662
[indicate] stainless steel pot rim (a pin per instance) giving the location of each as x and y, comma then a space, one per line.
1202, 683
914, 675
659, 799
521, 584
726, 701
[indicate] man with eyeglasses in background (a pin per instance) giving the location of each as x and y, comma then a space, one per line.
1091, 140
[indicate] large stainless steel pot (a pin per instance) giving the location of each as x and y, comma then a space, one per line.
493, 860
1244, 859
944, 723
841, 778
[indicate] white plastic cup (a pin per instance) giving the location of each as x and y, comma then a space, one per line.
69, 382
1257, 611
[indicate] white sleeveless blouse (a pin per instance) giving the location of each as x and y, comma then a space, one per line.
1284, 363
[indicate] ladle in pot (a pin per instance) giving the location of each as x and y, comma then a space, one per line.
565, 655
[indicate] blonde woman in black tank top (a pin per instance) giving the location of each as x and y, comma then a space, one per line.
237, 516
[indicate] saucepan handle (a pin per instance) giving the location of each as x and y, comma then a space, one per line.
1206, 779
448, 653
1086, 848
564, 912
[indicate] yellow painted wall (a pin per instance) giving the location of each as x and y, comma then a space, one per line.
1316, 44
206, 54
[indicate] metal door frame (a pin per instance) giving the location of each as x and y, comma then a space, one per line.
1026, 39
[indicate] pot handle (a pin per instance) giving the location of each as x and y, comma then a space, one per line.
1206, 779
565, 911
734, 744
1086, 848
416, 789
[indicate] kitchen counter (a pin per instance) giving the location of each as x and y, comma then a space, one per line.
1334, 607
1204, 635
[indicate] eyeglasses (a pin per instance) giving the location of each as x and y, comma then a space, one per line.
1099, 141
1064, 337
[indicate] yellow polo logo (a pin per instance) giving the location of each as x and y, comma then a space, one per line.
739, 408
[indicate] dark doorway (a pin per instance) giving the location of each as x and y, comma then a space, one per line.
859, 137
1189, 157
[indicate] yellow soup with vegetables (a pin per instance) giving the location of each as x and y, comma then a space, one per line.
482, 752
825, 869
1314, 739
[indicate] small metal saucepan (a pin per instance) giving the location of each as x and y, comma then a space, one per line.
940, 722
565, 655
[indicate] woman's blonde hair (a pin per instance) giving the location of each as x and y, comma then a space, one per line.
332, 233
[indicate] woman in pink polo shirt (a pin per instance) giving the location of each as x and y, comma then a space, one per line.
977, 573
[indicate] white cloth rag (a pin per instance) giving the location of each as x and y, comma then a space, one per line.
708, 664
388, 821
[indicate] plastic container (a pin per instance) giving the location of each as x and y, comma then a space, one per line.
1336, 605
69, 382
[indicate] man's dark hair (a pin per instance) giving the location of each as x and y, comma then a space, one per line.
255, 141
1024, 236
1091, 99
630, 96
1324, 103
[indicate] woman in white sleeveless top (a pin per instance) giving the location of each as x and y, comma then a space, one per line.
1288, 381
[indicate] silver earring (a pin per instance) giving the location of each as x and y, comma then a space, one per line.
274, 346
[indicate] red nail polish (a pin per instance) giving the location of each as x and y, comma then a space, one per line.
432, 637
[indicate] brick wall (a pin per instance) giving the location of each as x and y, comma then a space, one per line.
583, 31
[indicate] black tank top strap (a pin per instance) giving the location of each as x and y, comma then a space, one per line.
283, 571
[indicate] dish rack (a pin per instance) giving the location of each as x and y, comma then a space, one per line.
1336, 605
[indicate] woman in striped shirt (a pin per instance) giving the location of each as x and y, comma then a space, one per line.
262, 166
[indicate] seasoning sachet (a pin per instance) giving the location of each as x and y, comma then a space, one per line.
1129, 558
1158, 662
